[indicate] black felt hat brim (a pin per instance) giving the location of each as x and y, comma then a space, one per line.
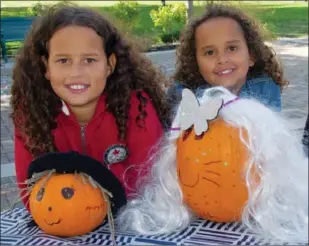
74, 162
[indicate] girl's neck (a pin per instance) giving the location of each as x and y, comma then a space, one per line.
237, 88
235, 91
84, 114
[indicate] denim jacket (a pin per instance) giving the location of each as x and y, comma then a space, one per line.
263, 89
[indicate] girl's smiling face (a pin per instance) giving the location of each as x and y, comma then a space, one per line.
77, 66
222, 53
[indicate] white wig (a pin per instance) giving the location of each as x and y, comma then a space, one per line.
277, 206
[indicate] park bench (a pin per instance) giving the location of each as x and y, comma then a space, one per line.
13, 29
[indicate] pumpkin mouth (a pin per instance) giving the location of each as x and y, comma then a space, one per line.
189, 185
53, 223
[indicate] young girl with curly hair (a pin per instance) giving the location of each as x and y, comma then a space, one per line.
79, 86
224, 47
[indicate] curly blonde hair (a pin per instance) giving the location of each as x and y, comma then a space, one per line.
266, 61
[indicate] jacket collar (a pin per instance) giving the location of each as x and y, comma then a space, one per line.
67, 114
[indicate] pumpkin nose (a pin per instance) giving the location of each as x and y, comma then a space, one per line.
50, 209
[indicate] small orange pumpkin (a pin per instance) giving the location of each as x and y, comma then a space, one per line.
211, 172
66, 205
71, 194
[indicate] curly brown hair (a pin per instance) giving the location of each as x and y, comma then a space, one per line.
34, 103
266, 61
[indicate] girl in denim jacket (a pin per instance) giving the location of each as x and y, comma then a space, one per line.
224, 47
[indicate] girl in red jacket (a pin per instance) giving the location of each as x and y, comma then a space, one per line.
79, 86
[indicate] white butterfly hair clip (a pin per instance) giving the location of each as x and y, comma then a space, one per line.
191, 113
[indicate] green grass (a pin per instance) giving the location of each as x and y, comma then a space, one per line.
287, 19
143, 27
13, 12
282, 20
14, 4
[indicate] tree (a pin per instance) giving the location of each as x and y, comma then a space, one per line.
163, 2
190, 9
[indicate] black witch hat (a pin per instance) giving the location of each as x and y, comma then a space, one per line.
73, 162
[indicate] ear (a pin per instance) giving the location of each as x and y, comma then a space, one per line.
46, 66
112, 60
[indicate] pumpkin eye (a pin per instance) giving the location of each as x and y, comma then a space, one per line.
40, 194
67, 192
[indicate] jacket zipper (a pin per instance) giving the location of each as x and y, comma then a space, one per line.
82, 133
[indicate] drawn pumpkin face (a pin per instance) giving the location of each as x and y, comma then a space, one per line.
211, 172
67, 205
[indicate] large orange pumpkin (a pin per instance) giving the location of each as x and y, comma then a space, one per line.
66, 205
211, 172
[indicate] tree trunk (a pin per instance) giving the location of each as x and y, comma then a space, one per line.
190, 10
163, 2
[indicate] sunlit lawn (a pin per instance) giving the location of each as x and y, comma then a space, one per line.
14, 4
281, 18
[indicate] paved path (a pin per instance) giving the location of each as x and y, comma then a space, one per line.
294, 55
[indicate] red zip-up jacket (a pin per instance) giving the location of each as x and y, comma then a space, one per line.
99, 139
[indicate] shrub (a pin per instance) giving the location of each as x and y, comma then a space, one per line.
169, 19
170, 37
127, 12
40, 8
37, 9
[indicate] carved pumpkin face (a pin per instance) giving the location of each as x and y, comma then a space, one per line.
67, 205
211, 172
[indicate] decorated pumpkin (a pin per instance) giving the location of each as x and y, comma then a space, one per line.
225, 159
66, 202
72, 194
211, 172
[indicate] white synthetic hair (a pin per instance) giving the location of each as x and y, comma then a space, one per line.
277, 206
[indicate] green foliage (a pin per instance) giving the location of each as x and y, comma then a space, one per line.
38, 9
169, 19
127, 12
41, 8
277, 20
170, 37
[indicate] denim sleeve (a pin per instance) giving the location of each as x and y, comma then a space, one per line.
265, 90
275, 96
